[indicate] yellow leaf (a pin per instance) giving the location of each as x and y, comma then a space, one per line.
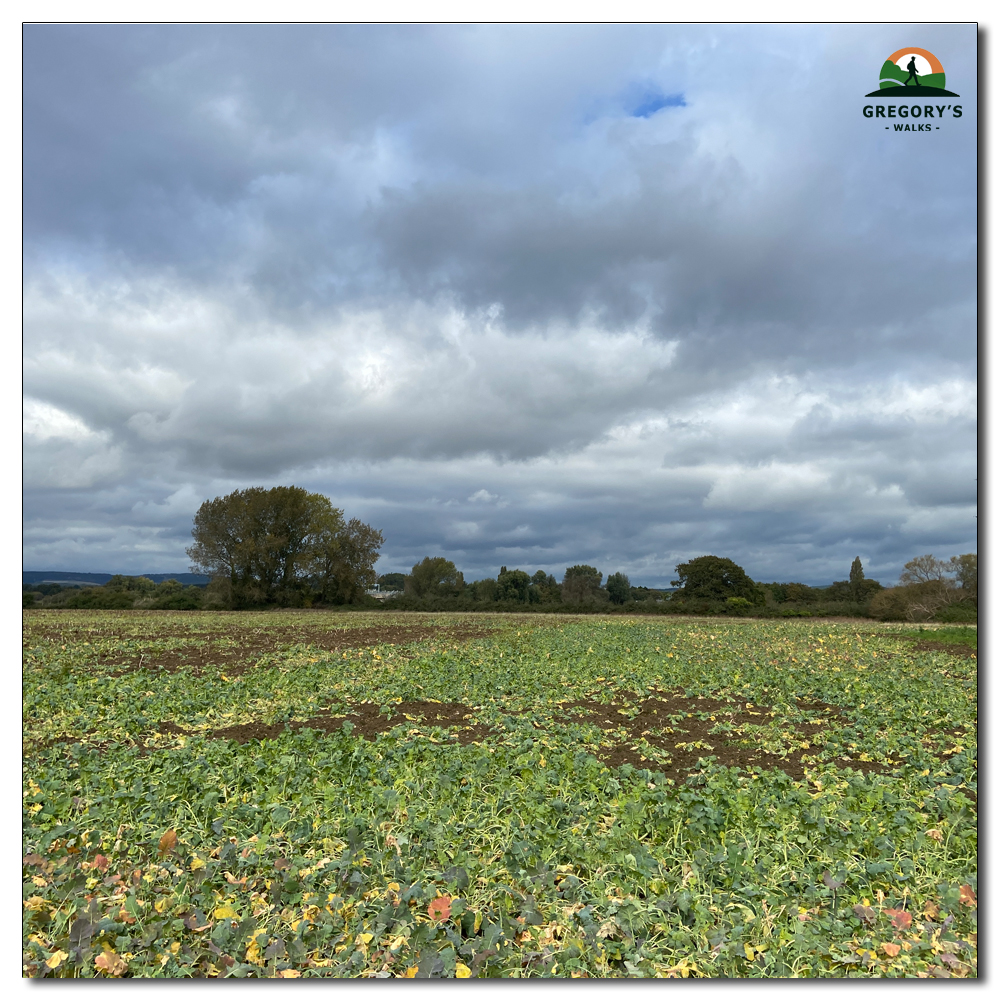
289, 973
197, 863
161, 904
410, 972
363, 939
225, 913
56, 959
748, 951
462, 971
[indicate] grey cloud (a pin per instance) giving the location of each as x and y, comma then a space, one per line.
442, 274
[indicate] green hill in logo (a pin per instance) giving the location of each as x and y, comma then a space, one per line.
912, 73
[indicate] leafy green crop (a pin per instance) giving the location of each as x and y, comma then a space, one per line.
503, 845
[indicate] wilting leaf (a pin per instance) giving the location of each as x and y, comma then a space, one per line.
289, 974
891, 949
281, 863
949, 959
830, 882
411, 972
934, 835
749, 952
931, 910
100, 863
111, 963
462, 971
440, 908
966, 896
168, 842
56, 959
900, 919
34, 859
865, 913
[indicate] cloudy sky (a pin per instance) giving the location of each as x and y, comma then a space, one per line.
522, 295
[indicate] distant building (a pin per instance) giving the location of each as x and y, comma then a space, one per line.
383, 595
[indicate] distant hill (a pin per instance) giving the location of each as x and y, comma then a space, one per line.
97, 579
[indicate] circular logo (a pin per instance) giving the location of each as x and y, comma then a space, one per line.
915, 72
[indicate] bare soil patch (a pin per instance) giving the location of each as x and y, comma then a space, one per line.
368, 721
675, 724
951, 648
238, 650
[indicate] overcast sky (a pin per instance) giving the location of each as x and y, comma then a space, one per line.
521, 295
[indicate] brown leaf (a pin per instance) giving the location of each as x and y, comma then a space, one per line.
901, 920
865, 913
100, 863
34, 859
949, 960
125, 917
168, 842
110, 963
934, 835
931, 910
440, 908
892, 950
281, 863
966, 896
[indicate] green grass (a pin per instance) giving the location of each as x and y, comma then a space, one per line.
319, 855
966, 636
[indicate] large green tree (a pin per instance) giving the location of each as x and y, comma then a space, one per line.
283, 546
581, 583
435, 577
619, 589
512, 585
716, 579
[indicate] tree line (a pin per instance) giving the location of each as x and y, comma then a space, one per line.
288, 547
928, 588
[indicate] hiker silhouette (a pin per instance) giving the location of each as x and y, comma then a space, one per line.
912, 67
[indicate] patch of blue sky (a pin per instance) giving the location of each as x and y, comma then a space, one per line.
651, 102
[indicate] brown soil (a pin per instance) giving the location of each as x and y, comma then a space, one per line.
368, 722
951, 648
662, 722
238, 651
665, 722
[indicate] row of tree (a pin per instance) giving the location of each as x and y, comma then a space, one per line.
708, 584
437, 578
286, 546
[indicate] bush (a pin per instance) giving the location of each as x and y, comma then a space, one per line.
915, 602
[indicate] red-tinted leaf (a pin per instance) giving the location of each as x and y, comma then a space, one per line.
900, 919
966, 896
168, 842
100, 863
440, 908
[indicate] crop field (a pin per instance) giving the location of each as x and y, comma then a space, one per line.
313, 794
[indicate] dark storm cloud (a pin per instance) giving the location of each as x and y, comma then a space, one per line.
654, 290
